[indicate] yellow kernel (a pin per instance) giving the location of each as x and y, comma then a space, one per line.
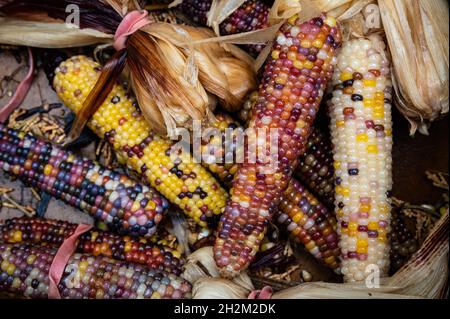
345, 76
336, 165
379, 96
4, 265
352, 226
369, 82
378, 108
352, 233
310, 245
48, 169
308, 64
298, 64
296, 218
127, 247
364, 208
372, 226
306, 43
292, 19
388, 132
378, 115
362, 243
372, 149
281, 79
317, 43
292, 56
362, 137
330, 21
382, 232
361, 250
17, 236
301, 124
340, 123
345, 191
275, 54
382, 238
10, 269
368, 102
384, 208
82, 266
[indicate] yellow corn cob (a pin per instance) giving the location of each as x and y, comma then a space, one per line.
182, 181
361, 131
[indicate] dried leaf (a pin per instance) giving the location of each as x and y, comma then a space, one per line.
417, 34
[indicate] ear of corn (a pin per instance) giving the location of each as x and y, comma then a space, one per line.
361, 128
124, 205
24, 271
176, 176
251, 15
299, 212
295, 76
310, 222
315, 168
96, 243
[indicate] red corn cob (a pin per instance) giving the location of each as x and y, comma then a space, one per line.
299, 212
252, 15
123, 248
315, 168
293, 82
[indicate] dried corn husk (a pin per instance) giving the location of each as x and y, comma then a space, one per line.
171, 77
218, 288
417, 34
423, 276
219, 70
15, 31
201, 264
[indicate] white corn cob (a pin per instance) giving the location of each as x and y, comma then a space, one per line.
361, 128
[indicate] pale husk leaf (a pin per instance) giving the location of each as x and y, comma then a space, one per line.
162, 86
220, 10
218, 288
417, 34
224, 71
14, 31
201, 264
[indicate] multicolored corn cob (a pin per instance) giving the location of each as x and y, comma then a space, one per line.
123, 204
219, 150
310, 223
315, 168
251, 15
174, 174
294, 79
299, 211
361, 129
24, 271
96, 243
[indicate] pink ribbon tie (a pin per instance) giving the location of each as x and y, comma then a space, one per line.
61, 258
21, 90
265, 293
132, 22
